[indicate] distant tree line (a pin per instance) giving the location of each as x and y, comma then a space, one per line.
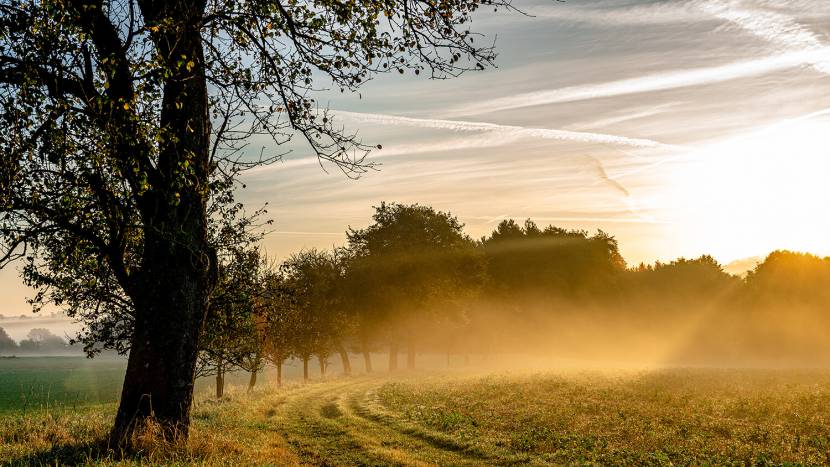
413, 282
39, 341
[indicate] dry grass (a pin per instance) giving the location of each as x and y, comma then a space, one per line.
227, 432
688, 417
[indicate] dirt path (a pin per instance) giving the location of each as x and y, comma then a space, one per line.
341, 423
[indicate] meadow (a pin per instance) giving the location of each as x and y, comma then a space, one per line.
642, 417
41, 383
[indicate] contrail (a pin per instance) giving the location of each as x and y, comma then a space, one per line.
509, 131
649, 83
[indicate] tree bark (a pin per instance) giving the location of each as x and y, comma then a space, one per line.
367, 356
393, 356
220, 383
344, 359
305, 369
323, 364
252, 381
279, 374
257, 363
178, 268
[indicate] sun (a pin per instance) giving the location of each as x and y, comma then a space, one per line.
751, 194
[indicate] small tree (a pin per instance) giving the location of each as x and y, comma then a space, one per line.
231, 337
282, 321
313, 277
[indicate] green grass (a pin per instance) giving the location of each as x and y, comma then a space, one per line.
687, 417
38, 383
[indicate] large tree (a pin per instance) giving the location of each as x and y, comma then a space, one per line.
121, 121
418, 264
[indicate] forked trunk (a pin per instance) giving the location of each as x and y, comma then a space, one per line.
171, 289
393, 356
344, 359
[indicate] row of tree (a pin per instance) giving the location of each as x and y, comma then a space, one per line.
39, 341
412, 281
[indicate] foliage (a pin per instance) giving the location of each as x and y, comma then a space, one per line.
232, 336
416, 264
41, 340
7, 344
123, 128
311, 278
553, 261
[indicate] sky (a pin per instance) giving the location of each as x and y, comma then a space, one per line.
681, 127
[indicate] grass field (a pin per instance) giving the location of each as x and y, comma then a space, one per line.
40, 383
690, 416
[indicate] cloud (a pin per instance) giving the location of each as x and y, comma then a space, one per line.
775, 27
608, 14
648, 83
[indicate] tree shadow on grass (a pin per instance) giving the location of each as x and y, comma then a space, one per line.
69, 454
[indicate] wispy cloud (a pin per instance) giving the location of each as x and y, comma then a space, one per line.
648, 83
773, 26
609, 14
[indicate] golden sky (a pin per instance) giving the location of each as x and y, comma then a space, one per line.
680, 127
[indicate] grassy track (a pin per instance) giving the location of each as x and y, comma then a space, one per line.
679, 417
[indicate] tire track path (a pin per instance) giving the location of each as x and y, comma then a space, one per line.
331, 423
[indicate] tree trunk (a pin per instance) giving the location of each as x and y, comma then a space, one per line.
305, 368
393, 356
220, 383
322, 361
410, 355
172, 287
279, 374
257, 364
252, 381
344, 359
367, 356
